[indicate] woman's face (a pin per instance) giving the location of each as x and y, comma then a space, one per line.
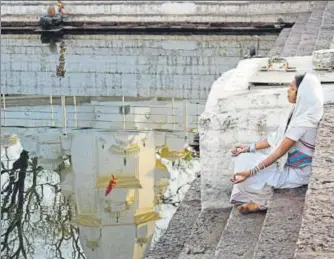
292, 92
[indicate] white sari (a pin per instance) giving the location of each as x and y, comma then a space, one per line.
306, 113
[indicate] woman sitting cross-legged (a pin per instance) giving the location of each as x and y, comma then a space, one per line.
289, 163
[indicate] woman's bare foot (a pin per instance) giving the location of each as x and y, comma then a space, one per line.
249, 207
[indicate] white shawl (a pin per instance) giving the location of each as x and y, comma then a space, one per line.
307, 111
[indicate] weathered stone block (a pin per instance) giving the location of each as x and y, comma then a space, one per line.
316, 234
323, 59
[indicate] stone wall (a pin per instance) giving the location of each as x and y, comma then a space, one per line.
316, 238
160, 11
130, 65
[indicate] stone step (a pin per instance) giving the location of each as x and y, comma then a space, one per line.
240, 236
280, 229
171, 243
205, 234
309, 37
291, 45
280, 42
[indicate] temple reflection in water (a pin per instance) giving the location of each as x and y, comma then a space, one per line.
75, 170
121, 223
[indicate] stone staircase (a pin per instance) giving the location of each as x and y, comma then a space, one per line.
280, 42
326, 32
283, 232
292, 42
227, 234
311, 31
310, 36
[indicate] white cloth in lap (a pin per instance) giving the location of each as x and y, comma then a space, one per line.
258, 188
294, 168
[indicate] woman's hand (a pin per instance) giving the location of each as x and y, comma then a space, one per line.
240, 149
240, 177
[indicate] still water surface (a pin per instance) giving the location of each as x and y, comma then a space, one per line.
57, 207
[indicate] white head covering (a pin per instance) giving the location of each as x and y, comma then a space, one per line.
307, 111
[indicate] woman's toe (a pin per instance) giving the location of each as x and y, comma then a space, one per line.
243, 208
